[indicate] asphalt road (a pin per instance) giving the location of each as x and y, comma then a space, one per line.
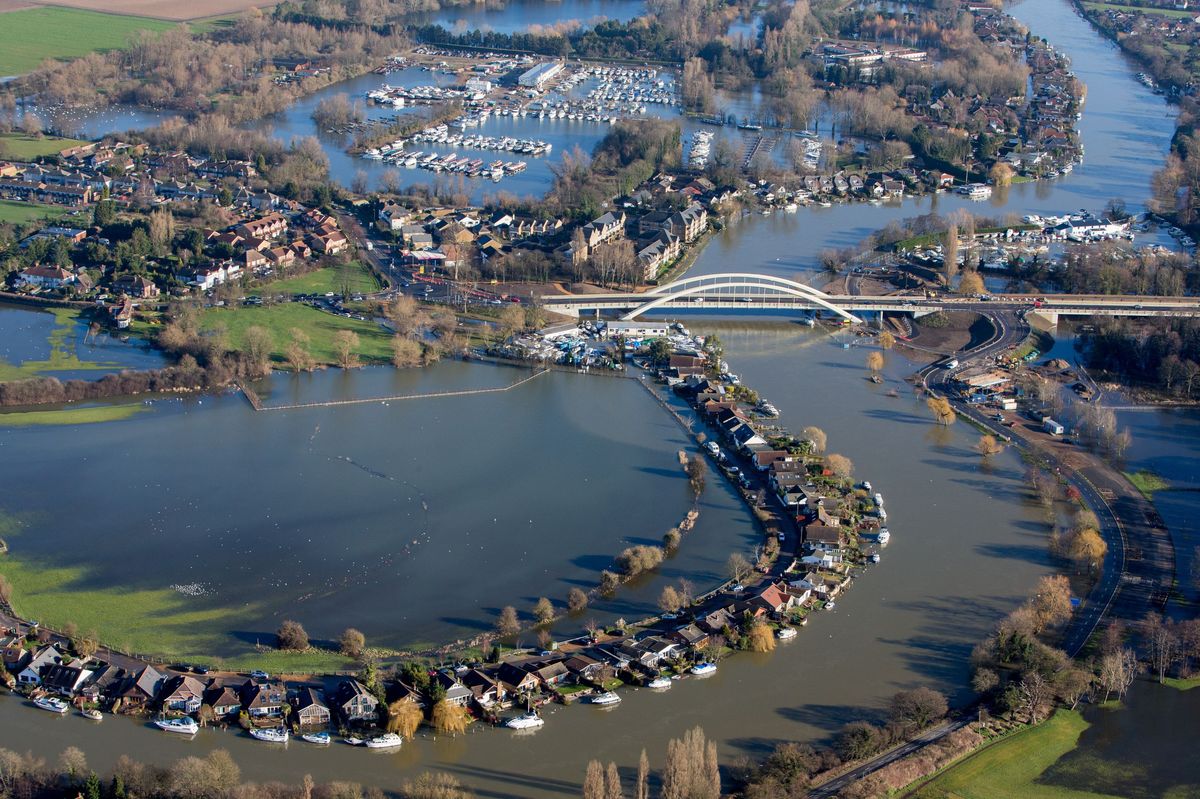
834, 786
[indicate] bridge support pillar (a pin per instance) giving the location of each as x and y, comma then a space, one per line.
1043, 320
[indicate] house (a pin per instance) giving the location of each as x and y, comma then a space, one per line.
354, 702
394, 216
140, 690
310, 709
456, 692
551, 674
715, 622
136, 286
266, 227
485, 690
65, 680
516, 680
689, 635
103, 684
41, 661
403, 692
184, 694
585, 669
222, 701
773, 598
329, 243
45, 277
603, 228
13, 653
820, 534
263, 700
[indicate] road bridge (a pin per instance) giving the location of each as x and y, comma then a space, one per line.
740, 291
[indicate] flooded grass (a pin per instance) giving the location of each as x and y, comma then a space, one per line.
63, 355
67, 416
1147, 482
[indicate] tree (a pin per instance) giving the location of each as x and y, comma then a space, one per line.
91, 788
345, 346
1051, 601
450, 718
507, 624
543, 611
512, 319
406, 353
858, 739
841, 466
668, 600
1118, 669
691, 770
875, 361
297, 353
943, 411
593, 781
886, 340
609, 583
404, 717
1162, 643
1001, 174
918, 708
695, 470
612, 783
635, 560
434, 786
761, 639
815, 436
738, 567
671, 540
1035, 695
88, 645
5, 590
73, 763
577, 600
660, 351
1087, 548
971, 283
642, 789
257, 345
950, 253
1071, 684
352, 643
291, 636
988, 446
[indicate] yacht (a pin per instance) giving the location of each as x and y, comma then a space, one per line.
389, 740
879, 499
785, 633
53, 704
92, 713
660, 683
527, 721
274, 735
875, 558
883, 537
866, 485
606, 698
703, 669
183, 726
318, 738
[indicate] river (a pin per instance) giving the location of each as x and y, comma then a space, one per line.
965, 547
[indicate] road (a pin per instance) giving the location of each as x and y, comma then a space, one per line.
834, 786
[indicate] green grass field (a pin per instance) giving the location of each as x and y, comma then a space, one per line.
1162, 12
1011, 768
32, 35
19, 213
375, 343
90, 415
1147, 482
354, 277
25, 148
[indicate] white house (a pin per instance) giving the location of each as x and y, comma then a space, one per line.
45, 658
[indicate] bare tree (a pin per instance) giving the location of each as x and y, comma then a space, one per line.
1035, 695
507, 623
816, 436
1162, 642
738, 567
577, 600
352, 642
691, 769
593, 782
543, 611
642, 791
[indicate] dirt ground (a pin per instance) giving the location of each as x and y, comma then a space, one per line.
158, 9
954, 337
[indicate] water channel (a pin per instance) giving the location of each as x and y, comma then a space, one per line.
965, 546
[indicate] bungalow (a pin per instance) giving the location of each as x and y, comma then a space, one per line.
184, 694
140, 690
354, 702
746, 437
311, 710
263, 700
820, 534
456, 692
773, 598
13, 654
659, 648
516, 680
585, 669
551, 674
485, 690
39, 664
65, 680
222, 701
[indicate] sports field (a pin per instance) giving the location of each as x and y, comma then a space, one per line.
155, 9
32, 35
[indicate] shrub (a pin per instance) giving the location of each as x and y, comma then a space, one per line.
291, 636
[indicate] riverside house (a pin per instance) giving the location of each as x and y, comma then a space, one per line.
263, 700
222, 701
311, 711
354, 702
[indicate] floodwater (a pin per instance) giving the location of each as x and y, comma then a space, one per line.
529, 15
413, 520
29, 335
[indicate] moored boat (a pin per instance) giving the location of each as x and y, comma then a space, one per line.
606, 698
660, 683
785, 633
319, 738
50, 703
389, 740
703, 669
92, 713
183, 726
883, 537
273, 735
527, 721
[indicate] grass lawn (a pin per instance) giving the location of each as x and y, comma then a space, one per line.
1147, 482
354, 277
92, 415
62, 352
1182, 685
26, 148
374, 343
1010, 769
312, 661
1161, 12
20, 213
32, 35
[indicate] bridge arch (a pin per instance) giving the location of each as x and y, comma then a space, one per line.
771, 285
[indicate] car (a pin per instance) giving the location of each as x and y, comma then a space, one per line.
258, 674
200, 669
782, 538
735, 471
737, 589
669, 616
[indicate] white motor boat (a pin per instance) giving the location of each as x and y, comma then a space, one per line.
875, 557
183, 726
355, 741
528, 721
53, 704
389, 740
606, 698
92, 713
703, 669
274, 735
883, 537
785, 633
660, 683
318, 738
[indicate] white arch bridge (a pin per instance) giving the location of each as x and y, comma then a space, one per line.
730, 291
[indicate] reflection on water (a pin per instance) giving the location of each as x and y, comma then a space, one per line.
63, 347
